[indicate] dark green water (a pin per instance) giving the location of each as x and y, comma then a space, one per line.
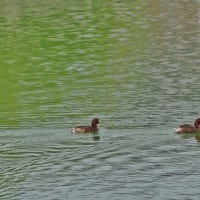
133, 64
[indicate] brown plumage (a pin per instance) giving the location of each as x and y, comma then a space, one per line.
187, 128
87, 129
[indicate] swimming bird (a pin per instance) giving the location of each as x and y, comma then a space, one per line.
85, 128
187, 128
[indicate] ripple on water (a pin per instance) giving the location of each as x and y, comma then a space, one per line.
128, 162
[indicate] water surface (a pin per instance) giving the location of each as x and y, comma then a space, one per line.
135, 65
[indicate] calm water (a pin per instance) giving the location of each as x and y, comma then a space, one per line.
135, 65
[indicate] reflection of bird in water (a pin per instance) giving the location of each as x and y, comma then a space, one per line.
95, 137
187, 128
87, 129
197, 136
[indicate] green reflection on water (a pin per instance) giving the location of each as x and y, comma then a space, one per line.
66, 59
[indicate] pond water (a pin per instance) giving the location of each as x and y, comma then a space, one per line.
134, 65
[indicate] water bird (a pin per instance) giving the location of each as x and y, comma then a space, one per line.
187, 128
87, 129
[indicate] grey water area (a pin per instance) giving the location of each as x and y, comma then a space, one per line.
134, 163
135, 66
